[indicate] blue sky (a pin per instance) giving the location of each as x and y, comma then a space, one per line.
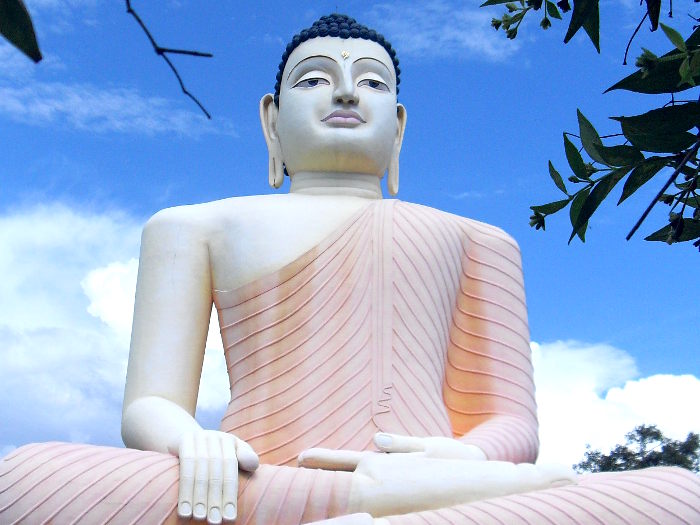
97, 138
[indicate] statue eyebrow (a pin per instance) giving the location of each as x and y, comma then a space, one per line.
378, 61
308, 58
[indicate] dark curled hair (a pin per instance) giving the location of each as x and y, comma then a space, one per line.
339, 26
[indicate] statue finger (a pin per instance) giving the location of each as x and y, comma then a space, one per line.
201, 477
398, 443
247, 458
215, 489
229, 498
186, 453
327, 459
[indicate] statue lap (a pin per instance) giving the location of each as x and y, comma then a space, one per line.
92, 484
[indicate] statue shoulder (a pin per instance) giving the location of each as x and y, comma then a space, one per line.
474, 232
491, 235
204, 218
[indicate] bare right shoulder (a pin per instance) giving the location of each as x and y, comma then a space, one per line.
205, 218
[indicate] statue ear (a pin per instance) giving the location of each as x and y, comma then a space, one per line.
392, 180
268, 119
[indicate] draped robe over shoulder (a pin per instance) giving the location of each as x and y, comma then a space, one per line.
405, 320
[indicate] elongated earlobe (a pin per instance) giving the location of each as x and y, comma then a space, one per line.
268, 120
392, 179
275, 171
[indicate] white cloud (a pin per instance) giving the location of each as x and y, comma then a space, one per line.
58, 16
590, 394
466, 195
111, 292
439, 28
26, 97
46, 251
13, 63
91, 108
62, 370
58, 5
214, 393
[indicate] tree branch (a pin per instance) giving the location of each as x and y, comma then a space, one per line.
162, 51
691, 152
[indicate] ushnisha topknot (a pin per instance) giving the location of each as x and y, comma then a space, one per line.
338, 26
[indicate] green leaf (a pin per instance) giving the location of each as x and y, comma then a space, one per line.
620, 155
690, 201
641, 175
684, 72
694, 39
659, 143
16, 26
552, 10
585, 14
662, 130
551, 207
691, 230
671, 119
654, 9
685, 185
664, 78
592, 27
593, 200
675, 37
556, 177
610, 156
689, 172
695, 64
575, 159
589, 137
495, 2
574, 211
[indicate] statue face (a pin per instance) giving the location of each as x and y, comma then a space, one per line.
337, 107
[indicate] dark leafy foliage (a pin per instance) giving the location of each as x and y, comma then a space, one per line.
662, 141
644, 447
16, 26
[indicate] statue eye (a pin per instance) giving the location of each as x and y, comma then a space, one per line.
311, 83
374, 84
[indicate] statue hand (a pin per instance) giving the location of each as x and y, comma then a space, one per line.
209, 463
431, 447
328, 459
385, 484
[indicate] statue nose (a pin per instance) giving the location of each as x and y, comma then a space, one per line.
345, 92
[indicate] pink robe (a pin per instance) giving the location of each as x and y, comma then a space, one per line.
405, 320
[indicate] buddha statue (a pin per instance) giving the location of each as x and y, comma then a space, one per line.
378, 351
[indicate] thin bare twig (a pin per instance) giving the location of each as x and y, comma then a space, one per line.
691, 152
162, 51
627, 49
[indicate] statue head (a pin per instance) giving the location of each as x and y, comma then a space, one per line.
336, 26
335, 109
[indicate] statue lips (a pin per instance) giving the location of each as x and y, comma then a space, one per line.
344, 118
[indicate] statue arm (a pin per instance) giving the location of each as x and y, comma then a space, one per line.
488, 387
171, 319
